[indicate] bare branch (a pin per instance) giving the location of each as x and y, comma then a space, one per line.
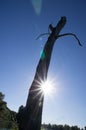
62, 35
42, 35
71, 34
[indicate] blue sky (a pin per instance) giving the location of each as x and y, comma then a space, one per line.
21, 21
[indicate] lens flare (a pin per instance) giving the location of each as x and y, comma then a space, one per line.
42, 54
37, 5
47, 87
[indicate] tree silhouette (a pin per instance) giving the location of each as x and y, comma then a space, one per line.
29, 117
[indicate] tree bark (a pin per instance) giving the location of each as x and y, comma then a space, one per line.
30, 116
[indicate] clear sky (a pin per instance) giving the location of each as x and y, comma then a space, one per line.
21, 21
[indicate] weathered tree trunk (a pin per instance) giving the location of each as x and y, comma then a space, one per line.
29, 117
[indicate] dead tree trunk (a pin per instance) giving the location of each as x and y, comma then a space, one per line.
29, 117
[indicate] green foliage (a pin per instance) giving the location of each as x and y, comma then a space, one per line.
7, 117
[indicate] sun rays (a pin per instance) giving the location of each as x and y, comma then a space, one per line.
45, 88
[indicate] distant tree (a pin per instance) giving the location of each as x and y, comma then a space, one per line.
75, 128
60, 127
49, 126
66, 127
54, 127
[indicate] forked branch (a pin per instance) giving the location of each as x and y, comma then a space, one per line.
71, 34
62, 35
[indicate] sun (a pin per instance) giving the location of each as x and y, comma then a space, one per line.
47, 87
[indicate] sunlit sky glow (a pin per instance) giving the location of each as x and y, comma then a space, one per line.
21, 22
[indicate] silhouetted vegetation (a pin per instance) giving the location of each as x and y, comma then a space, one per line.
7, 117
60, 127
